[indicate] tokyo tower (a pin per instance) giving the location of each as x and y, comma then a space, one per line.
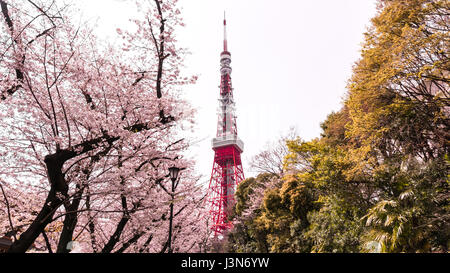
227, 170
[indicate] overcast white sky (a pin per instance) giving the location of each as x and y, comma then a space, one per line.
291, 61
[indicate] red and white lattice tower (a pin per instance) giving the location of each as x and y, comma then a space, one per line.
227, 170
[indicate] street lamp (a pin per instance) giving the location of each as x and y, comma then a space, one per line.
173, 172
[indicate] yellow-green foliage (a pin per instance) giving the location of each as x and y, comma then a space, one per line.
378, 175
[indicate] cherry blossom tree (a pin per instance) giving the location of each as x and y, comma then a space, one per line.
88, 131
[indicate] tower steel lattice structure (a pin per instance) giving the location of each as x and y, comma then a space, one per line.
227, 171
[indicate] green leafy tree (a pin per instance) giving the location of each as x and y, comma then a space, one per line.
377, 178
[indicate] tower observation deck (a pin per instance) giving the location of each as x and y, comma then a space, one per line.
227, 170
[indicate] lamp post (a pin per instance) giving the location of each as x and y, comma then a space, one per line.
173, 172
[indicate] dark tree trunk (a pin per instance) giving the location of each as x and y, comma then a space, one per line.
47, 242
116, 236
70, 222
122, 223
133, 240
55, 198
91, 224
147, 242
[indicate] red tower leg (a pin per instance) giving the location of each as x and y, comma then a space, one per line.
227, 173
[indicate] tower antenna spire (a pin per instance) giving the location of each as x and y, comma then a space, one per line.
225, 42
